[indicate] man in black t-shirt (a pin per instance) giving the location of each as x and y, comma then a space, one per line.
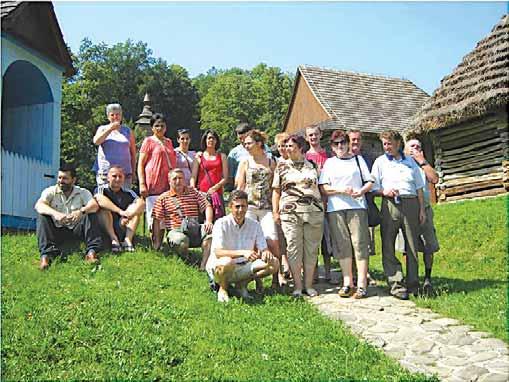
120, 210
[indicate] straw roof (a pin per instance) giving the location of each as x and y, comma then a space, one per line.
362, 101
479, 84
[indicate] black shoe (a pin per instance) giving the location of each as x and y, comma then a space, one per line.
400, 294
427, 288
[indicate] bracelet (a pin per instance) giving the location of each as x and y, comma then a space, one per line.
423, 163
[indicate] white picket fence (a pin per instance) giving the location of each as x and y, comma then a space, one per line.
23, 180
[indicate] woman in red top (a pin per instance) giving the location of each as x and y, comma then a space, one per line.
157, 158
210, 168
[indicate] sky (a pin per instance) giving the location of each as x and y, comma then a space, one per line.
418, 41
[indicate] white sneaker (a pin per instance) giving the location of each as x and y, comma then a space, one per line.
222, 296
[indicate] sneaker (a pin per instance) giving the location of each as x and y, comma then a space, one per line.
297, 293
345, 291
311, 292
360, 293
400, 294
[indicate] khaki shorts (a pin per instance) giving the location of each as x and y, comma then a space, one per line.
264, 217
241, 271
349, 233
176, 238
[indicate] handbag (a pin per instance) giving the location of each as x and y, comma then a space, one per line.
216, 198
190, 226
374, 217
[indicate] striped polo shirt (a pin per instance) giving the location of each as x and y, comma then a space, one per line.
191, 202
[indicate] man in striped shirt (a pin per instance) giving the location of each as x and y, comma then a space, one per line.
170, 209
120, 210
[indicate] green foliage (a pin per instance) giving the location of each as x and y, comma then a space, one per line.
121, 73
260, 97
141, 316
470, 270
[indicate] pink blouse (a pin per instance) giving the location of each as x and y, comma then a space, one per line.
160, 160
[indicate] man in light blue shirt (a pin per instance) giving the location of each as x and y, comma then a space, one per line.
398, 181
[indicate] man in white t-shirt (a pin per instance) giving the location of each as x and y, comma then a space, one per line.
239, 251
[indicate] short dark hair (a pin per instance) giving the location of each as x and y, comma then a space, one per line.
182, 131
353, 130
339, 134
393, 135
299, 140
203, 141
117, 166
237, 195
257, 136
243, 128
157, 117
67, 167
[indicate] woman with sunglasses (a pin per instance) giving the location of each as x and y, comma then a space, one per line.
210, 171
255, 176
156, 159
345, 179
297, 206
185, 157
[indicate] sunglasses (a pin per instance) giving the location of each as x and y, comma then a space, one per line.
342, 142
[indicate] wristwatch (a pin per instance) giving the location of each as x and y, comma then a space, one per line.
423, 163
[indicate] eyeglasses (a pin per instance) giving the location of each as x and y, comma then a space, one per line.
342, 142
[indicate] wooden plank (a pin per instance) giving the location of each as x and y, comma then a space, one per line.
482, 171
462, 141
472, 160
471, 179
470, 147
467, 130
472, 187
489, 120
490, 192
472, 166
446, 158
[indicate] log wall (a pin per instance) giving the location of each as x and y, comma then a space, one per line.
472, 158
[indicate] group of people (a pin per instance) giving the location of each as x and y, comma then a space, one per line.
283, 206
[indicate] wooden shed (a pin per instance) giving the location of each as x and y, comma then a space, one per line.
466, 119
34, 60
346, 100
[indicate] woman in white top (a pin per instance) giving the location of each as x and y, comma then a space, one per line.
185, 157
345, 179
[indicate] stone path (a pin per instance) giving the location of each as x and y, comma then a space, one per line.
422, 341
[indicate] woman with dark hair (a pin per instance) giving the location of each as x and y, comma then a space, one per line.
185, 157
210, 171
345, 179
297, 206
157, 158
254, 176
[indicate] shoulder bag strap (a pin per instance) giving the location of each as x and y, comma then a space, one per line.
178, 208
165, 153
186, 157
360, 171
206, 172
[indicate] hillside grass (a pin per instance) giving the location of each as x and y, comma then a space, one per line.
470, 271
142, 316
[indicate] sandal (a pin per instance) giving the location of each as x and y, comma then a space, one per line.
360, 293
127, 247
345, 291
115, 247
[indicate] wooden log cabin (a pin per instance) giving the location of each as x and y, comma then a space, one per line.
346, 100
466, 121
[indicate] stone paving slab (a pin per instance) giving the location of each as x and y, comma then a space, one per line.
419, 339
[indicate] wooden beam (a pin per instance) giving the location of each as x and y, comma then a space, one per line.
445, 158
471, 160
468, 165
471, 179
465, 129
491, 192
473, 146
482, 171
472, 187
462, 141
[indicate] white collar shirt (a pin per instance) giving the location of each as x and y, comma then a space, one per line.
400, 174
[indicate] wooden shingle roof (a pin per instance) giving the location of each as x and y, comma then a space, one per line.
35, 25
362, 101
480, 83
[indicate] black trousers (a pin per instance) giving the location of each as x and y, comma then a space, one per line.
49, 236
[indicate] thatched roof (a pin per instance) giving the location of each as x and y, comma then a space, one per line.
362, 101
35, 25
478, 85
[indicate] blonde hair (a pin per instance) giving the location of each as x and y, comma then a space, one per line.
281, 137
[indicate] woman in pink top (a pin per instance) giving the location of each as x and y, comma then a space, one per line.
157, 158
210, 170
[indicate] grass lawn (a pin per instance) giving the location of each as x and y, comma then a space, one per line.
142, 316
470, 270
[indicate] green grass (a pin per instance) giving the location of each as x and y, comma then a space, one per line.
470, 270
142, 316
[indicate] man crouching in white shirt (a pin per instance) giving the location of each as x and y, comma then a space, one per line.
239, 251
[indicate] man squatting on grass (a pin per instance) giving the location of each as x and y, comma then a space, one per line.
120, 210
65, 211
169, 210
239, 251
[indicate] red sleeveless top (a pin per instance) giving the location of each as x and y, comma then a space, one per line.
215, 170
